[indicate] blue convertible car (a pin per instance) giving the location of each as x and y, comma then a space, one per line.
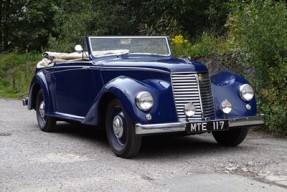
132, 87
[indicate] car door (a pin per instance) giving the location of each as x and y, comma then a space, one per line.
75, 88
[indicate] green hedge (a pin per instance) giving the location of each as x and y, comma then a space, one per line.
258, 31
16, 72
256, 47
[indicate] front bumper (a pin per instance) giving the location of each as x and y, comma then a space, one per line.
25, 101
182, 126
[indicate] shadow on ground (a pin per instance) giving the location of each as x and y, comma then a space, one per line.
152, 146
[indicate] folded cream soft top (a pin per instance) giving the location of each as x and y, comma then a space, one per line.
84, 55
66, 56
51, 57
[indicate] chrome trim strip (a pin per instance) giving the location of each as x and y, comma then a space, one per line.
131, 37
146, 129
68, 116
199, 94
159, 128
246, 121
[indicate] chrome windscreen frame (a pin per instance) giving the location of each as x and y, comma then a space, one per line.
132, 37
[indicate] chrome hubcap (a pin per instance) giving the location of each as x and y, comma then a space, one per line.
42, 109
118, 126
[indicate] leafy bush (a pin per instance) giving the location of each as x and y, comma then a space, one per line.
207, 44
16, 72
256, 47
258, 32
180, 47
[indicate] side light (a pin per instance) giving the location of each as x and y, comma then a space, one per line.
144, 101
246, 92
148, 117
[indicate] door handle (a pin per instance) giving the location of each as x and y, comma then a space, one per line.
86, 67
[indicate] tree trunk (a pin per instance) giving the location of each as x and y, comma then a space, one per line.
5, 23
1, 26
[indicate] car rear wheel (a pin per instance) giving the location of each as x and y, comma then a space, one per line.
121, 131
232, 137
45, 123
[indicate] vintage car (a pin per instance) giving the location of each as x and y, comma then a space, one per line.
133, 87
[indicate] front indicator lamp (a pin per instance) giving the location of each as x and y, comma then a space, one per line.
226, 106
189, 109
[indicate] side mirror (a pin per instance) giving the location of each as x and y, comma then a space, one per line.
79, 48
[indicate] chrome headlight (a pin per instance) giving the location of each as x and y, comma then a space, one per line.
144, 100
246, 92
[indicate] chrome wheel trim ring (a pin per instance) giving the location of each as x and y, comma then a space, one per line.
42, 109
118, 126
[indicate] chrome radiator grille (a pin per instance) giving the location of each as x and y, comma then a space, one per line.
195, 88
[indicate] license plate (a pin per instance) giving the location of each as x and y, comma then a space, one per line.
207, 126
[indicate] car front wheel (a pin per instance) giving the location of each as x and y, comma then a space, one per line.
232, 137
121, 131
45, 123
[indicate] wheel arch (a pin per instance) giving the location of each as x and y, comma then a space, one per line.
123, 89
33, 95
225, 85
103, 104
39, 82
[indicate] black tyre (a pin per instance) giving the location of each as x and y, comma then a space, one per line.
45, 123
121, 131
232, 137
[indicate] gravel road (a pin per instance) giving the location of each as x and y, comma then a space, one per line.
76, 158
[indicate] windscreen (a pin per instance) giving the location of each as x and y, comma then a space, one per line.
129, 45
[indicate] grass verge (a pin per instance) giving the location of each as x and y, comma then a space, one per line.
16, 72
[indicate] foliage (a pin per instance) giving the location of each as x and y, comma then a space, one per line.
258, 30
37, 25
180, 47
9, 13
256, 43
207, 44
16, 72
70, 25
23, 18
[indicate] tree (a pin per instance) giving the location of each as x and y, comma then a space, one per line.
28, 24
25, 24
71, 20
36, 18
10, 10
